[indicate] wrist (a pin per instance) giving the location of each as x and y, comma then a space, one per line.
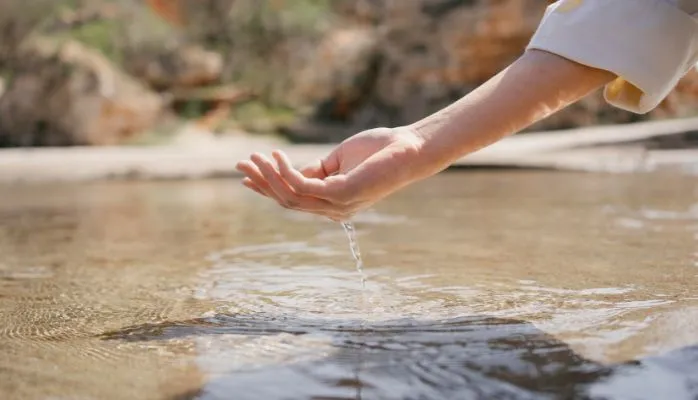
422, 160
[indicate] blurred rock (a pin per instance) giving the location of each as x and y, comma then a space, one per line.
18, 20
411, 58
2, 87
180, 66
343, 65
343, 69
396, 61
187, 13
214, 103
62, 93
91, 12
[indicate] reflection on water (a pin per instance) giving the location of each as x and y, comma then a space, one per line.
480, 286
469, 357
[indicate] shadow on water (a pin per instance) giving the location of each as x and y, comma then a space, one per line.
465, 358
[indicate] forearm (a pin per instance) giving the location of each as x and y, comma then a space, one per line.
536, 85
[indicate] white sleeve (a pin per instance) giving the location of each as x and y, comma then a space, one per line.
649, 44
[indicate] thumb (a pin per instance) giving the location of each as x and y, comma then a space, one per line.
311, 181
324, 167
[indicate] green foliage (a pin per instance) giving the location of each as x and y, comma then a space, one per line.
257, 116
263, 39
133, 27
193, 109
280, 19
99, 35
18, 20
154, 137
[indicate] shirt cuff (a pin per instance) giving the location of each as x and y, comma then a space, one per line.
649, 44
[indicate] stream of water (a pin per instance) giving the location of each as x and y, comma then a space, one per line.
350, 230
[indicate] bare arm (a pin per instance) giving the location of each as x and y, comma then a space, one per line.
535, 86
374, 164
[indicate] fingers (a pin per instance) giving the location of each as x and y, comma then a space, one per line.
309, 190
301, 184
283, 193
314, 170
321, 168
330, 164
251, 185
255, 180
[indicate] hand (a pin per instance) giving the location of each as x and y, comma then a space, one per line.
359, 172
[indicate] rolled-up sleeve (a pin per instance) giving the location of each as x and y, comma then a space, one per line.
648, 44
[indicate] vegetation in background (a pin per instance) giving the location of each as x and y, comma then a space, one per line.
261, 40
18, 20
333, 66
264, 41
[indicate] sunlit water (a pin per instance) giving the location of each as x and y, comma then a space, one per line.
506, 285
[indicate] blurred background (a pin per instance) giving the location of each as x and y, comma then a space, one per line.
143, 72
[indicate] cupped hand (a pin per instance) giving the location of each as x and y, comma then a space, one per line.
359, 172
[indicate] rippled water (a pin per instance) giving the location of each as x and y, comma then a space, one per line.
523, 285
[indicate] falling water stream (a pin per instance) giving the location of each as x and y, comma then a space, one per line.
355, 251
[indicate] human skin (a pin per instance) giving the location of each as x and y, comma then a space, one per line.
376, 163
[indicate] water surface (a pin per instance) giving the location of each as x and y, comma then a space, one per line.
480, 285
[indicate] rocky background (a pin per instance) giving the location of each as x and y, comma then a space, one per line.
98, 72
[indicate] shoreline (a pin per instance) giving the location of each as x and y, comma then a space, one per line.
614, 149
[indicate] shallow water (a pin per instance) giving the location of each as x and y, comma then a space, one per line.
500, 285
